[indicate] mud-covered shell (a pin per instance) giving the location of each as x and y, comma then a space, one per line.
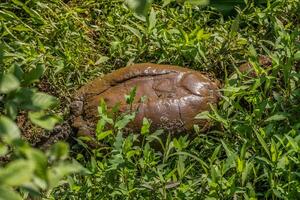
174, 96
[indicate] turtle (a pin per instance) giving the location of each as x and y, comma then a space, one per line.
173, 97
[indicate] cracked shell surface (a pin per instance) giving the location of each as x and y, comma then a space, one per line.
174, 96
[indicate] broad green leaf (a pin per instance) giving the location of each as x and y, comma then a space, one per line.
243, 151
102, 108
8, 194
8, 129
118, 141
132, 153
146, 127
134, 31
273, 151
219, 117
283, 162
101, 60
141, 7
252, 51
17, 71
56, 173
43, 120
201, 35
167, 2
297, 56
215, 154
43, 101
59, 150
264, 159
214, 175
102, 135
245, 174
100, 125
34, 74
235, 26
185, 36
130, 98
40, 161
8, 83
230, 163
21, 28
181, 166
3, 149
11, 109
235, 89
276, 117
180, 143
231, 157
30, 99
116, 161
16, 173
293, 143
152, 20
262, 142
156, 136
176, 144
240, 165
203, 115
124, 121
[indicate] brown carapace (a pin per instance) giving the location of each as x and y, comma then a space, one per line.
174, 96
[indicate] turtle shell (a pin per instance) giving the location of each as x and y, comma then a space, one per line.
174, 96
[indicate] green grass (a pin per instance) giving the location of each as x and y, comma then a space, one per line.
251, 152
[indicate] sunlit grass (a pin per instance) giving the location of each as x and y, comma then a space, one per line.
251, 152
